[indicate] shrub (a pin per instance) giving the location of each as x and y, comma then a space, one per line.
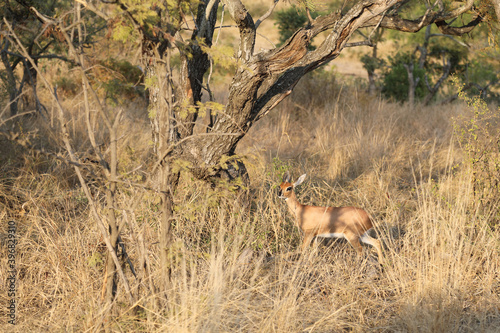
67, 86
121, 79
395, 78
478, 135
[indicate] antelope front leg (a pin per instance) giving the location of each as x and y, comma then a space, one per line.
308, 237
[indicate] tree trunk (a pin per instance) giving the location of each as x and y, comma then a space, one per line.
111, 278
195, 63
169, 181
30, 98
433, 90
496, 4
412, 84
165, 136
11, 82
372, 88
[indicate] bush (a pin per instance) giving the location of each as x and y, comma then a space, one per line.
484, 77
67, 86
121, 79
478, 135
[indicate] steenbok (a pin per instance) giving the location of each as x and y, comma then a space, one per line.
348, 222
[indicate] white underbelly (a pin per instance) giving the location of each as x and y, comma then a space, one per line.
332, 235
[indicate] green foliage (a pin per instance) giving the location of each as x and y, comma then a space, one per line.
372, 64
481, 73
150, 82
309, 4
154, 17
222, 55
38, 38
95, 260
123, 32
67, 86
203, 109
440, 49
278, 168
444, 48
479, 136
118, 81
395, 78
454, 52
142, 12
121, 80
181, 165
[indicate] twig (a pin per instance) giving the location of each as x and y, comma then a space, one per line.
122, 245
366, 42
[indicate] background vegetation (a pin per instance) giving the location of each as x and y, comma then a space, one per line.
428, 174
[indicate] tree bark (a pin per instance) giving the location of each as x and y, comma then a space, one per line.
196, 63
412, 84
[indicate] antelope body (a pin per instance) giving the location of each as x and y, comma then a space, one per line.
350, 223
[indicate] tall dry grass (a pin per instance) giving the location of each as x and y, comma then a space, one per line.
234, 268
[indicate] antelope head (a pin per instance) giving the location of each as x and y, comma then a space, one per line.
285, 190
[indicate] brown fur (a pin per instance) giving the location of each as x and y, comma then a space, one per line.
349, 222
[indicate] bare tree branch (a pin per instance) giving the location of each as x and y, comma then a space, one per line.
266, 14
452, 38
433, 90
93, 8
458, 31
395, 22
363, 43
44, 56
204, 23
247, 28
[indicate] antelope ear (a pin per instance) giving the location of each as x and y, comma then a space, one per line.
300, 180
286, 177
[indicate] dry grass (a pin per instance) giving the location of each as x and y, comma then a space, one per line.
233, 268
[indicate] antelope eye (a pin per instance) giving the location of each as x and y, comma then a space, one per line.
289, 188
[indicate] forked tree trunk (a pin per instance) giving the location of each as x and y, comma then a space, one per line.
111, 278
412, 83
10, 81
165, 136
